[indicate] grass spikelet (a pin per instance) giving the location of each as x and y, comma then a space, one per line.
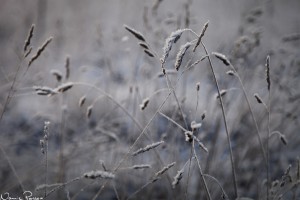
203, 115
173, 38
188, 136
198, 86
230, 73
44, 186
89, 111
258, 99
135, 33
144, 103
222, 93
268, 72
140, 167
67, 67
201, 35
167, 71
144, 45
292, 37
147, 148
180, 54
221, 57
29, 37
161, 172
82, 101
64, 87
99, 174
148, 53
40, 51
195, 125
57, 74
283, 139
28, 52
44, 91
177, 178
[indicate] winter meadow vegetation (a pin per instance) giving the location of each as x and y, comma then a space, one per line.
160, 99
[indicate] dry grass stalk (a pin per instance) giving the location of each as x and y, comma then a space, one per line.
82, 101
57, 74
298, 169
99, 174
201, 145
67, 67
135, 33
147, 148
268, 72
221, 57
89, 111
144, 103
173, 38
64, 87
40, 51
161, 172
180, 54
201, 35
29, 37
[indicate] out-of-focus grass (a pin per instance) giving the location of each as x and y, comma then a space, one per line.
104, 55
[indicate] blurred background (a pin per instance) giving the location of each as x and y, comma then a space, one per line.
102, 53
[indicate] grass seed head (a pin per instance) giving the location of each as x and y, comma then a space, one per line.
222, 57
201, 35
135, 33
180, 54
29, 37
